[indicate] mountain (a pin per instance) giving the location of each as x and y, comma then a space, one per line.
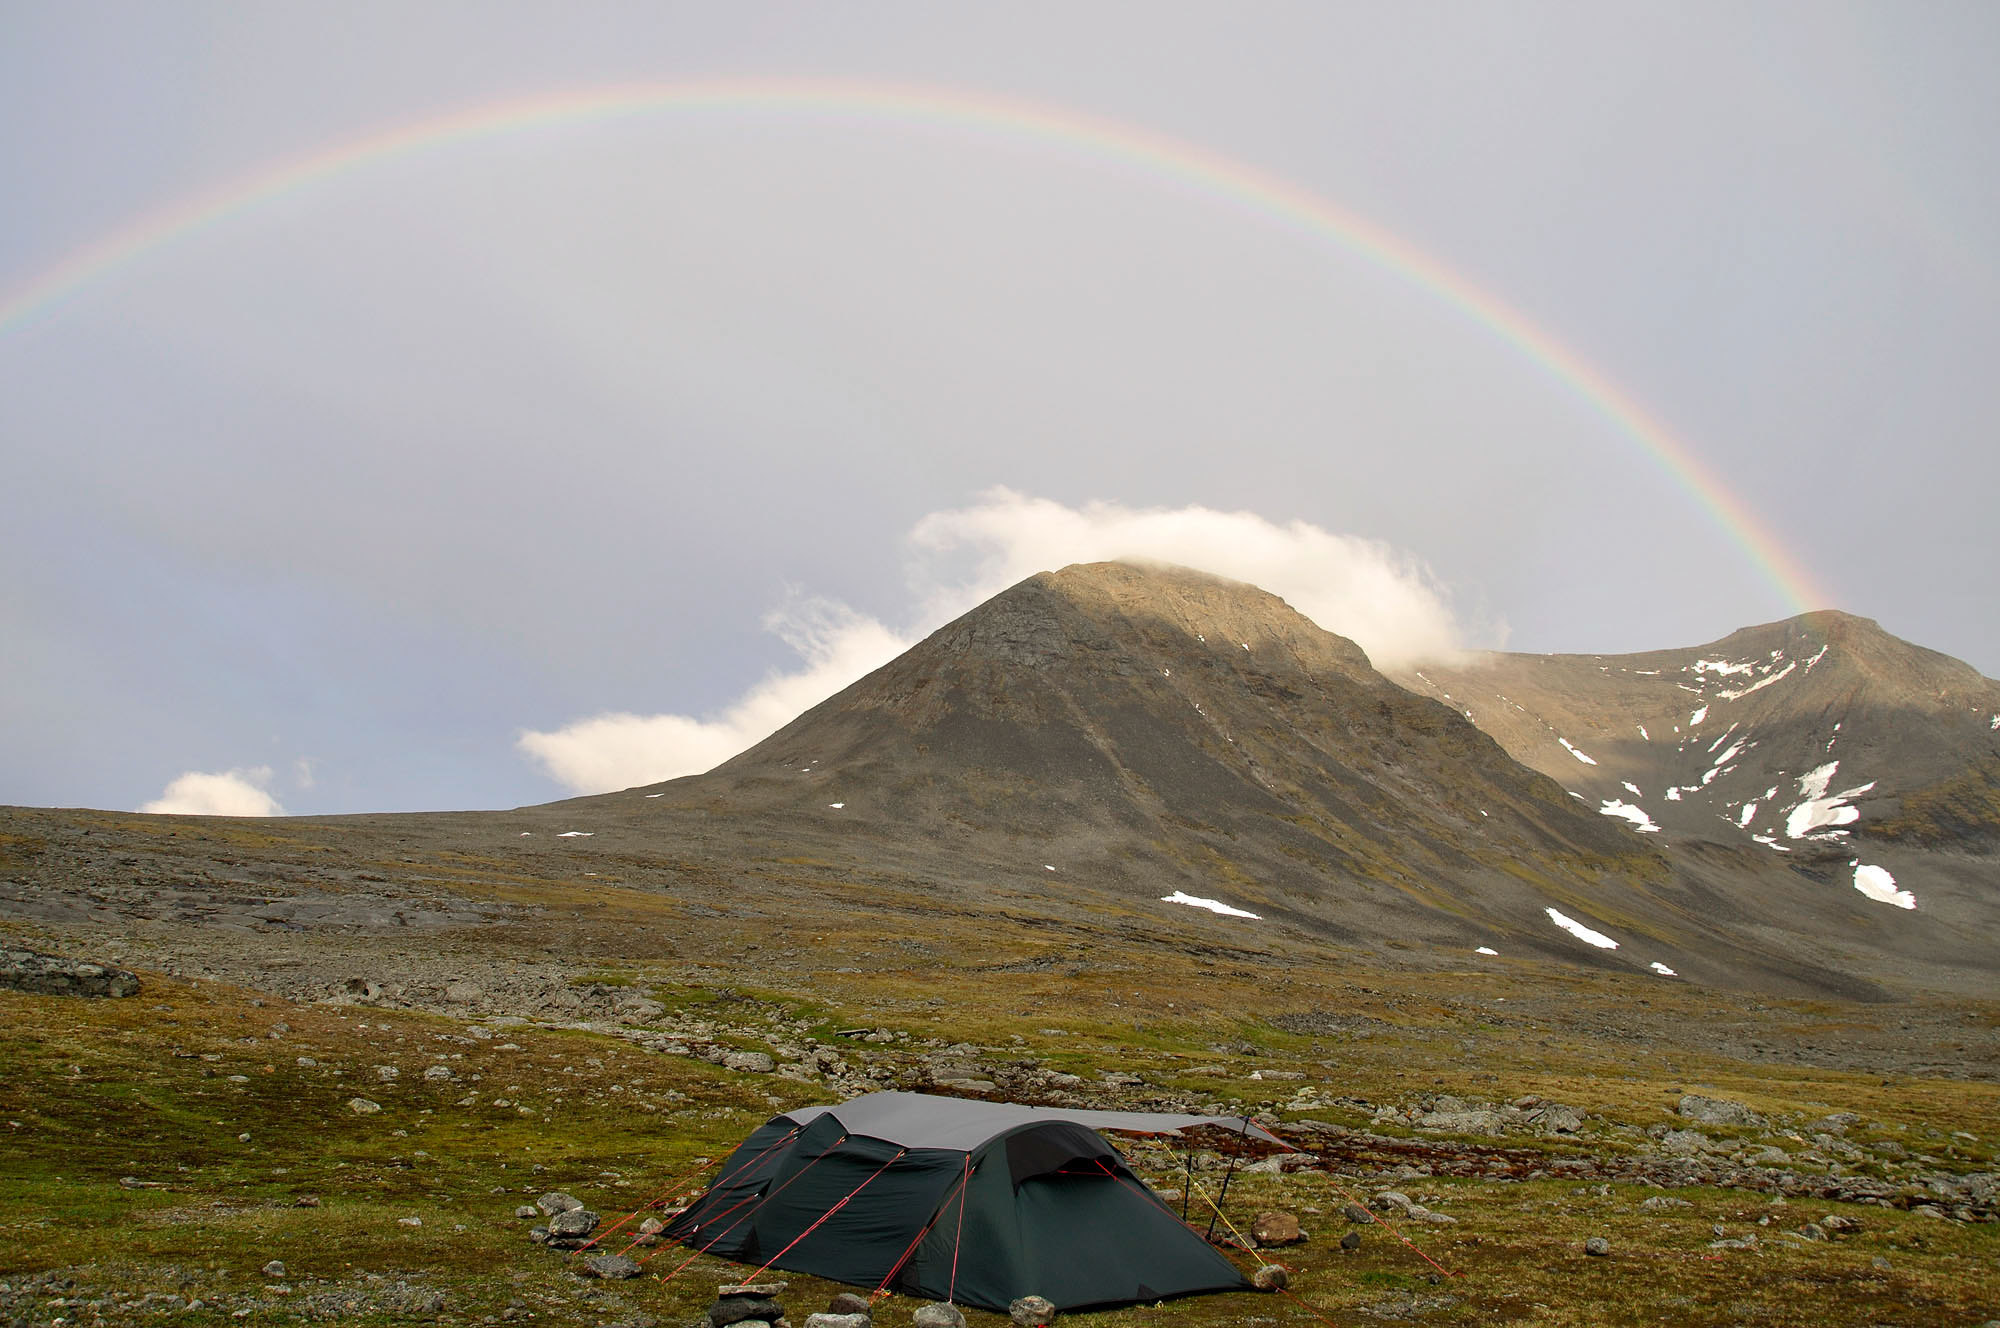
1122, 734
1822, 743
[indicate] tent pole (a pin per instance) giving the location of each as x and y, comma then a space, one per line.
1225, 1186
1187, 1156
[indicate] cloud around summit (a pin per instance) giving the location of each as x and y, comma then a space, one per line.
1382, 598
225, 793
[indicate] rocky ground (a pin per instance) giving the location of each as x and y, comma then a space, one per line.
403, 1031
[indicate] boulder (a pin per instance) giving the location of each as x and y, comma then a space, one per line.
752, 1062
939, 1314
1350, 1242
1597, 1247
849, 1303
1270, 1277
824, 1320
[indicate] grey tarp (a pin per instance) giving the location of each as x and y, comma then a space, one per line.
918, 1120
978, 1202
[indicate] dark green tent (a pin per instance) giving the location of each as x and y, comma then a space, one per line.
976, 1202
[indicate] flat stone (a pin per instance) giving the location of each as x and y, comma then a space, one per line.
823, 1320
741, 1309
555, 1201
937, 1315
611, 1266
765, 1290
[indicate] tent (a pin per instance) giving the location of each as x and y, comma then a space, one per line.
951, 1199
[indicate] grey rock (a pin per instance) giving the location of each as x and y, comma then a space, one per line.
361, 1106
1686, 1143
53, 975
1391, 1201
824, 1320
438, 1073
1597, 1247
275, 1269
1032, 1311
1270, 1277
555, 1201
1275, 1228
1354, 1212
610, 1266
1661, 1202
572, 1224
1475, 1121
752, 1062
1716, 1111
1350, 1242
849, 1303
938, 1315
527, 1210
760, 1290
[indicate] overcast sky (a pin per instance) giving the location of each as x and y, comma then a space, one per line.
568, 452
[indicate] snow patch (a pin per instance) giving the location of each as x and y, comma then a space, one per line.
1880, 886
576, 834
656, 795
1212, 905
1635, 814
1765, 681
1746, 815
836, 805
1574, 752
1649, 737
1768, 842
1815, 659
1633, 789
1581, 932
1698, 716
1720, 667
1486, 950
1673, 795
1662, 969
1818, 810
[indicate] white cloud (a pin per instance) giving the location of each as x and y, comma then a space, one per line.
614, 751
1383, 599
231, 793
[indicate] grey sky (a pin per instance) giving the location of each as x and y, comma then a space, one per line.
355, 486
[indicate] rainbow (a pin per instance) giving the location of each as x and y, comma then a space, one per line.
1208, 173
